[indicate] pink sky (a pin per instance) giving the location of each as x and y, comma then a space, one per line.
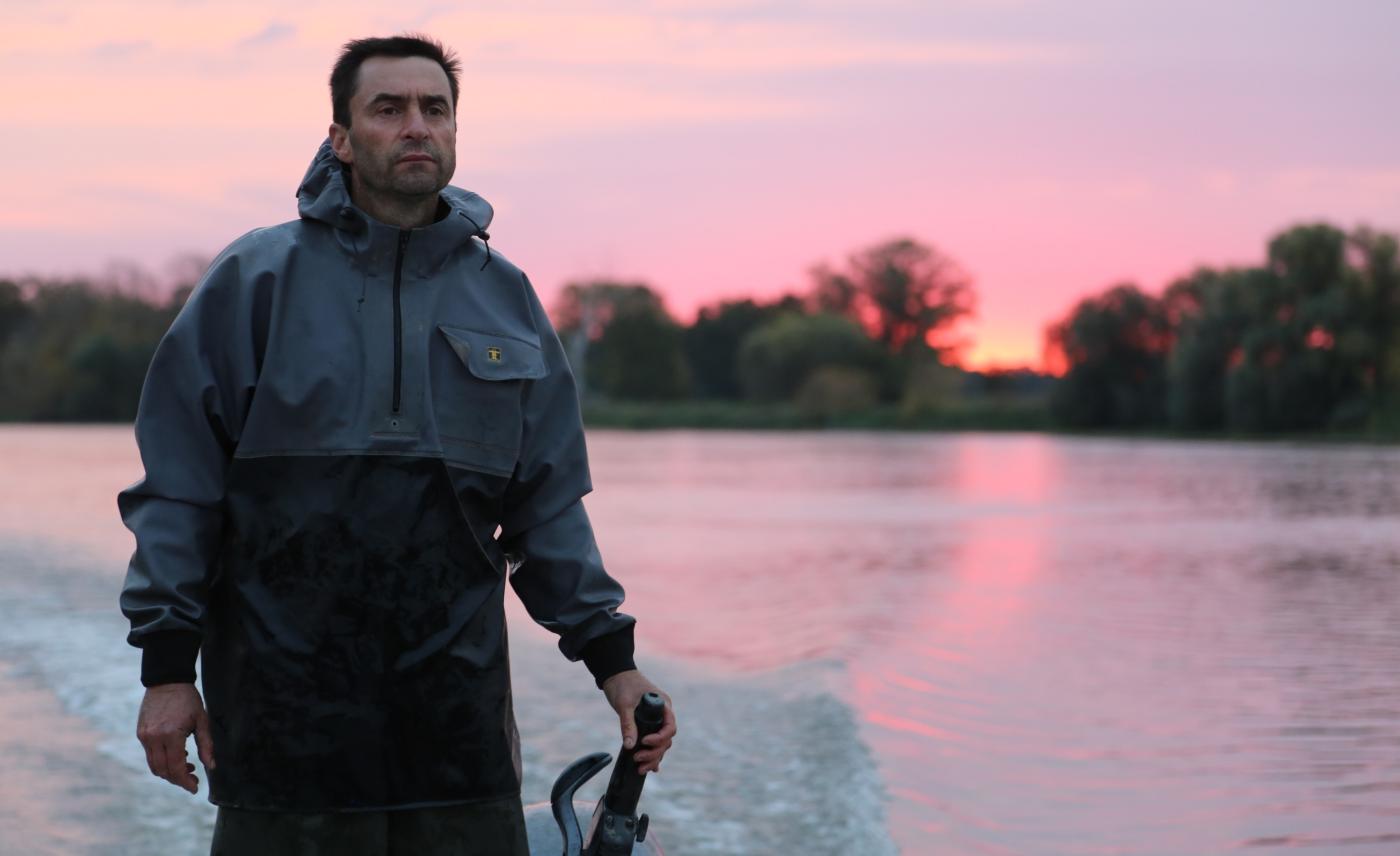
719, 149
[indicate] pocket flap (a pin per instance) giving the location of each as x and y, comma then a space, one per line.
495, 356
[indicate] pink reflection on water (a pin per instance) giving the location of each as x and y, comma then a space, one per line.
60, 483
976, 609
982, 610
895, 678
753, 552
971, 615
910, 726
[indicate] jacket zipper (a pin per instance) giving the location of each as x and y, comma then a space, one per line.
398, 320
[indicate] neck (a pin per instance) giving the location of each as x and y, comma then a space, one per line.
403, 212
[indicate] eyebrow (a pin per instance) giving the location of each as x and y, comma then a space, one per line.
425, 100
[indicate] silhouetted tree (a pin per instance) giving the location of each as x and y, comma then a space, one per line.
103, 375
903, 292
1374, 258
1211, 311
621, 341
1114, 346
13, 310
585, 309
1305, 352
712, 342
1303, 342
639, 357
80, 352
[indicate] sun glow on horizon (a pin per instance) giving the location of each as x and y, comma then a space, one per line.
720, 148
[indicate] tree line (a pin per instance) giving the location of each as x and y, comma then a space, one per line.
76, 350
1305, 341
876, 332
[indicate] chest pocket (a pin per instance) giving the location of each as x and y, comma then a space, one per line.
477, 381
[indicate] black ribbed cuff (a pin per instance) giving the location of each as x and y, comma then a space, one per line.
610, 654
167, 657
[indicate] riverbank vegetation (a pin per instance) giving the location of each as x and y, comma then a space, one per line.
1303, 344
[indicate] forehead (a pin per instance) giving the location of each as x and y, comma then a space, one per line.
412, 76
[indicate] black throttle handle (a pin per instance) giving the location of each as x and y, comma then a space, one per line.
615, 824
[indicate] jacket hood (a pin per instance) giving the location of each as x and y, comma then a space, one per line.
324, 196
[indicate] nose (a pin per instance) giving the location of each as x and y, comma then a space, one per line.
416, 128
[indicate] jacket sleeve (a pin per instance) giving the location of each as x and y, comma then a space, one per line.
187, 426
544, 528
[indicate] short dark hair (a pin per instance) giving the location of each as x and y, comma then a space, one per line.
345, 75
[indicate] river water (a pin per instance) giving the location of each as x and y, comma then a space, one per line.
876, 643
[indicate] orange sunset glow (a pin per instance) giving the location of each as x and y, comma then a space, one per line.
721, 149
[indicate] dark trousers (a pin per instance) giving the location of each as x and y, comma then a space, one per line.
495, 828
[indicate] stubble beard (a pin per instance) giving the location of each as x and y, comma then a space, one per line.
406, 183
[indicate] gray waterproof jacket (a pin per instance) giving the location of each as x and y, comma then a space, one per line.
332, 430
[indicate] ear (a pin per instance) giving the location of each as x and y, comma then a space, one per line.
340, 143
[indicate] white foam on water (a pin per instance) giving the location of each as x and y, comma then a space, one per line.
765, 763
81, 655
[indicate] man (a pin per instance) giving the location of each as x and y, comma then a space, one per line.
343, 413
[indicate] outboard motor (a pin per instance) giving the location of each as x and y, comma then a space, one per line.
615, 829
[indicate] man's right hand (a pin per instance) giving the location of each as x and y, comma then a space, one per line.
169, 714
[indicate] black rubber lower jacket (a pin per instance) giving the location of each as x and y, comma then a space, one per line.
333, 430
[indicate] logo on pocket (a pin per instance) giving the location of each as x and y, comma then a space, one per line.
493, 354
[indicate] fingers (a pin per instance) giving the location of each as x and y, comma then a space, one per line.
169, 714
666, 732
175, 763
649, 751
155, 754
668, 727
649, 767
629, 727
165, 755
655, 745
651, 756
149, 746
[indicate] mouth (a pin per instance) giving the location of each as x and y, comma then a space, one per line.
417, 158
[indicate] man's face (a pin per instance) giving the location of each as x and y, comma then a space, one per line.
402, 139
